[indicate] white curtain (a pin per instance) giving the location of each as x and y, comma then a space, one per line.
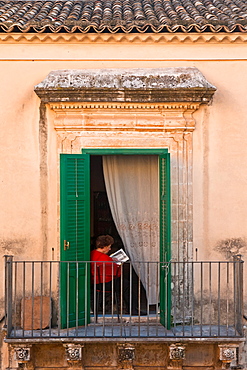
132, 189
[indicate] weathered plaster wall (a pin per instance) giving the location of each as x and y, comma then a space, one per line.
219, 156
29, 207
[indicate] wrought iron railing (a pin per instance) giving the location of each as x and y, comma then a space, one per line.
57, 299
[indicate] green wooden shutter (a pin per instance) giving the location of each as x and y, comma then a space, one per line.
165, 240
75, 239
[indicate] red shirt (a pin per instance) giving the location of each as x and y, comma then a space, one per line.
105, 272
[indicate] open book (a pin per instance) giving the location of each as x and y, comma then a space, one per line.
119, 256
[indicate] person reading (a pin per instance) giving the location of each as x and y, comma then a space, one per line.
103, 272
104, 269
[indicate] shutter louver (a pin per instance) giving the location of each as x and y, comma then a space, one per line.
165, 240
75, 230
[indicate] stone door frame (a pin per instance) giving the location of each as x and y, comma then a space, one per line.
129, 109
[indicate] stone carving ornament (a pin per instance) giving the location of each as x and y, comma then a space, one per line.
73, 352
126, 356
227, 353
177, 352
22, 354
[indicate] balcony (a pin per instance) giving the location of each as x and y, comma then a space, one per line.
55, 300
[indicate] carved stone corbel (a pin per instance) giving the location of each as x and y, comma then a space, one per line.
228, 353
126, 356
176, 355
22, 355
73, 353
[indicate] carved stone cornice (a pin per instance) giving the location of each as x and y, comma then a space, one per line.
124, 117
177, 38
125, 106
125, 99
157, 85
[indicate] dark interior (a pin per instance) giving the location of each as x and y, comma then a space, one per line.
101, 218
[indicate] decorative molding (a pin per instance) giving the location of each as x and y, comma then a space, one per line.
124, 106
73, 352
176, 355
177, 352
228, 353
88, 38
22, 354
126, 356
124, 117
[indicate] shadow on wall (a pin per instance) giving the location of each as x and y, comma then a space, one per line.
231, 247
15, 247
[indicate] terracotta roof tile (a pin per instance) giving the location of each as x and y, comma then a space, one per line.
123, 16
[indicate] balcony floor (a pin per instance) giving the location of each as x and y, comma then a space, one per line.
130, 327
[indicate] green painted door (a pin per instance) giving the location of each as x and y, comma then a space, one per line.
75, 229
75, 239
165, 240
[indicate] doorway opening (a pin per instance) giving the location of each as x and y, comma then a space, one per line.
102, 223
77, 183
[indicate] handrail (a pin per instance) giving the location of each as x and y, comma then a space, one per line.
206, 298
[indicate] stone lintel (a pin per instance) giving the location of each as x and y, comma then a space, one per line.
181, 84
124, 116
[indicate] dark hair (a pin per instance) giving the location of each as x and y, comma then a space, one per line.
104, 240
